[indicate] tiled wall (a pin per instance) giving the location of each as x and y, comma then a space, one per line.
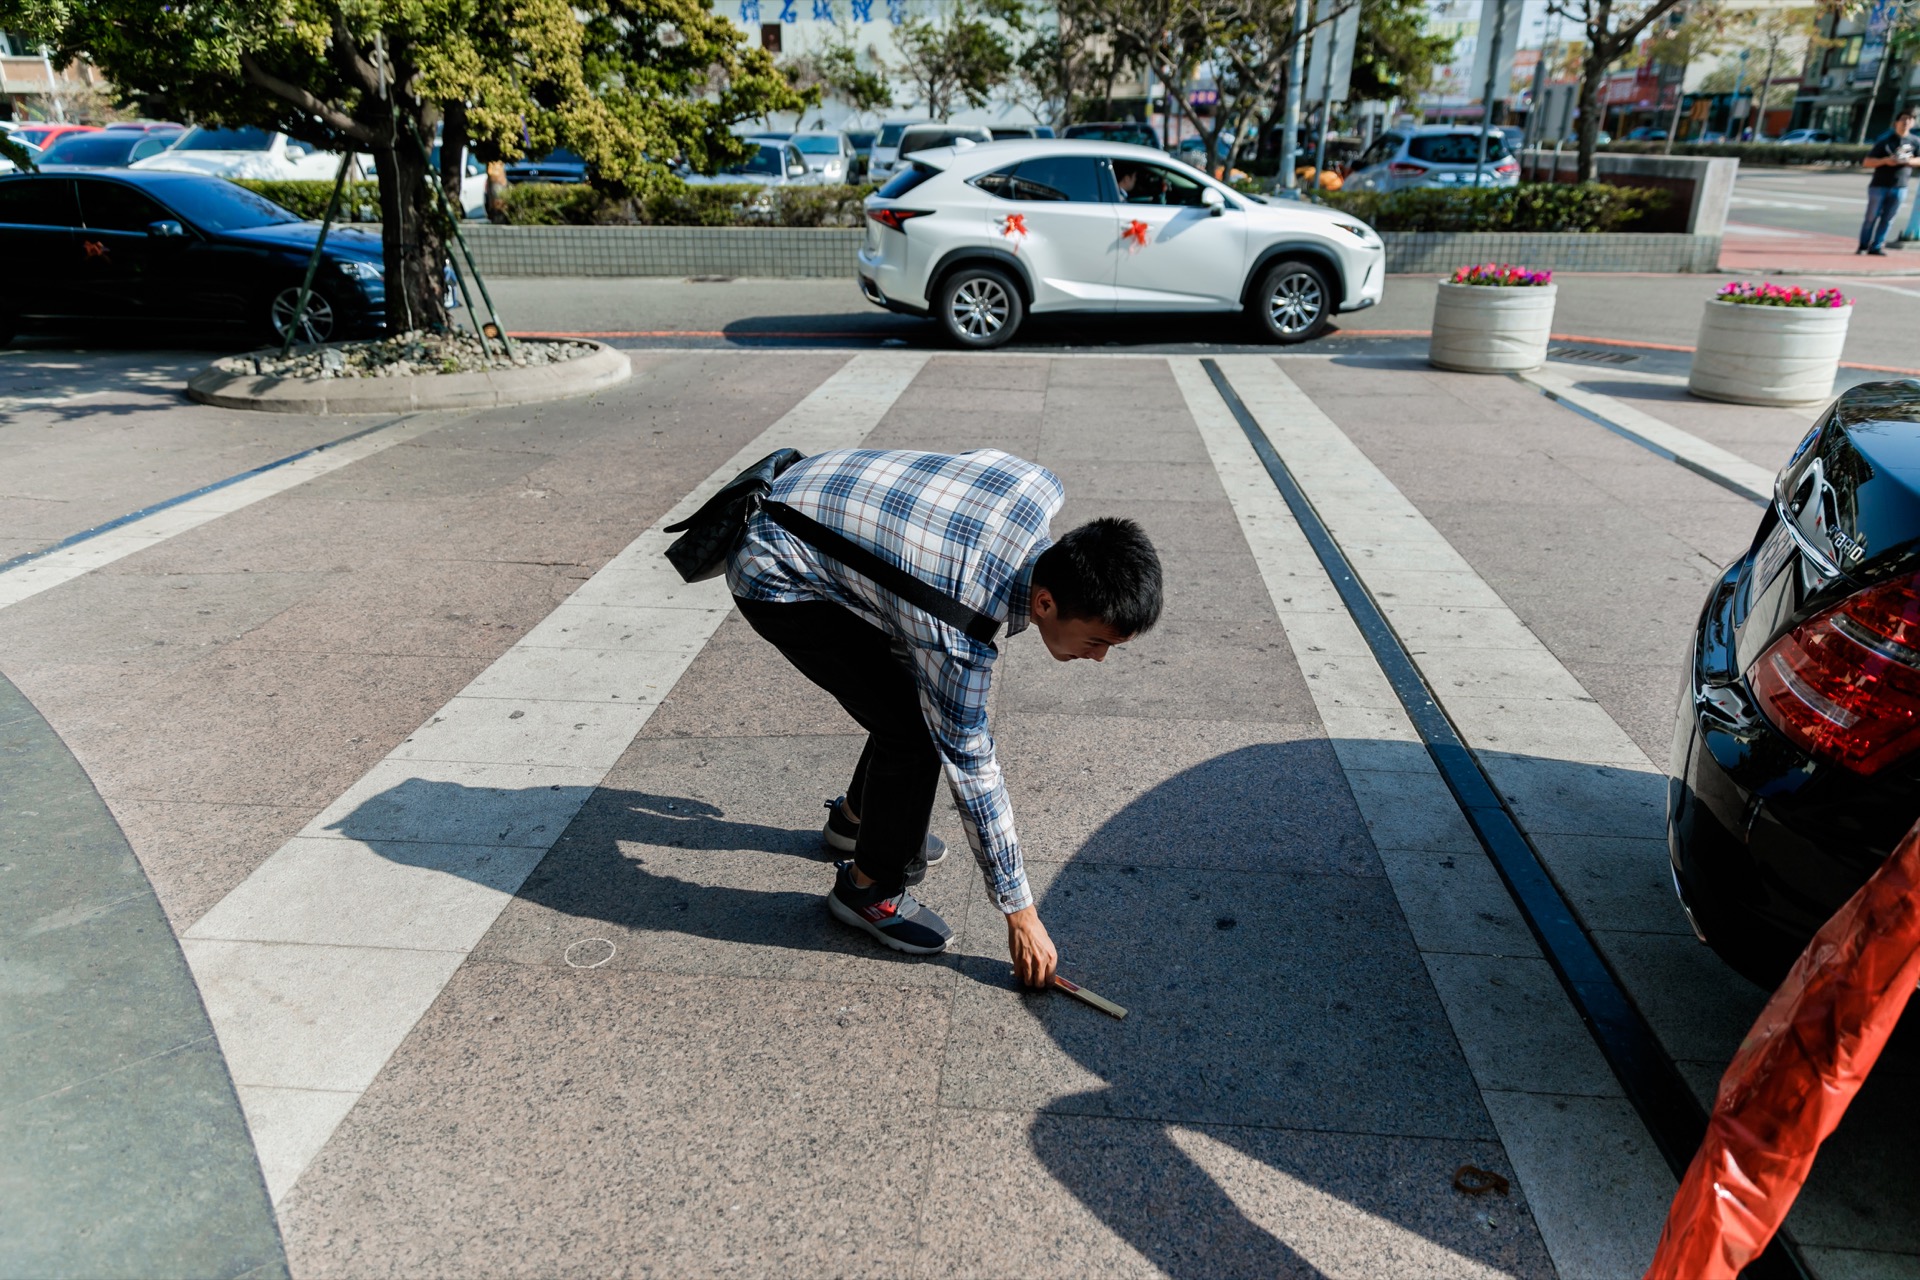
795, 251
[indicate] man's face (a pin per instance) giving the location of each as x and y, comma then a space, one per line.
1070, 638
1903, 124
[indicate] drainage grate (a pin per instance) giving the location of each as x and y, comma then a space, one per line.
1592, 355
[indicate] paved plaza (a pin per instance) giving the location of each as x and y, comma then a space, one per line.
410, 876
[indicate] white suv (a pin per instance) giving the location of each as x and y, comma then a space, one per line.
977, 237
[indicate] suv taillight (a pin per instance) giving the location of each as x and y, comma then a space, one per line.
896, 218
1506, 166
1401, 169
1845, 685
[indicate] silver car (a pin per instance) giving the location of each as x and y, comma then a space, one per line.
1433, 156
774, 164
829, 155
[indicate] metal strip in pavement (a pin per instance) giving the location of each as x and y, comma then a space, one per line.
1337, 468
318, 965
31, 573
1728, 470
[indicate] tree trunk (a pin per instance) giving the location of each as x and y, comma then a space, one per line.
1591, 75
1766, 91
1673, 126
413, 236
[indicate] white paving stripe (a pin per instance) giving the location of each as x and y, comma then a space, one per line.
1470, 935
316, 967
1734, 471
30, 579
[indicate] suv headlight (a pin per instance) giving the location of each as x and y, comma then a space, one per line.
1358, 233
361, 270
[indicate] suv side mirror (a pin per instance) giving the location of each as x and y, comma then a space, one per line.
796, 171
166, 229
1216, 204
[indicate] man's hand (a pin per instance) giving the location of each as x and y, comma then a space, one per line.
1034, 958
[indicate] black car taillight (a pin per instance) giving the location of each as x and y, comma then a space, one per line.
896, 218
1845, 684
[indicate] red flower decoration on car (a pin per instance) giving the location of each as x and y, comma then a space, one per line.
1015, 224
1137, 232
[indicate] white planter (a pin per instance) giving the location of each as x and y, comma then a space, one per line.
1768, 355
1481, 328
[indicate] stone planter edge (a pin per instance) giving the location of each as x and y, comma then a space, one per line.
601, 368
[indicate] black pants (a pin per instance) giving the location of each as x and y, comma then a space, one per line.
893, 785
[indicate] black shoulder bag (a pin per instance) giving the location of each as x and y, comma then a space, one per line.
711, 534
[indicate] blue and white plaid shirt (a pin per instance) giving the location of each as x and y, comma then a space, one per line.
971, 524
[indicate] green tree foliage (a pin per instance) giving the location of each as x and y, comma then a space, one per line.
1610, 30
628, 84
1396, 56
839, 71
962, 56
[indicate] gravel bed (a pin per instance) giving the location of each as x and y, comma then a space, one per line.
407, 355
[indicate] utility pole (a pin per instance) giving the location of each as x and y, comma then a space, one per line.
1735, 123
53, 88
1493, 74
1326, 99
1290, 120
1536, 114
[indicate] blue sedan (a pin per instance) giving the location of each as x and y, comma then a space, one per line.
179, 250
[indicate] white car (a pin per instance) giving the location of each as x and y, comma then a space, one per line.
979, 237
774, 164
929, 137
829, 155
243, 153
886, 147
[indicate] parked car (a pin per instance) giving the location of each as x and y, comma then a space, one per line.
1516, 137
1806, 137
926, 137
171, 250
33, 153
555, 166
1131, 132
1646, 133
107, 149
243, 153
1434, 156
886, 148
1013, 132
829, 156
148, 126
979, 237
44, 135
1043, 131
773, 164
1796, 757
473, 179
862, 141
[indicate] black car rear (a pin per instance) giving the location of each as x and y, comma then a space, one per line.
1796, 760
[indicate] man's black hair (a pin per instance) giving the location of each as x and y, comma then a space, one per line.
1106, 570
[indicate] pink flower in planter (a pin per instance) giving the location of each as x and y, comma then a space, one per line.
1773, 295
1501, 274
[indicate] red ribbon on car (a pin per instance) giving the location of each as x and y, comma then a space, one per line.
1015, 224
1794, 1075
1137, 232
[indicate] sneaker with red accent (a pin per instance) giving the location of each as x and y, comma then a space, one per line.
897, 919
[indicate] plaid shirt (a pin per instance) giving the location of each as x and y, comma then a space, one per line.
971, 524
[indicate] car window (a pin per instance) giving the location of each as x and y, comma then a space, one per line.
90, 148
111, 206
1142, 183
1138, 135
215, 204
769, 159
38, 202
1456, 148
926, 139
906, 180
1074, 178
226, 140
146, 147
818, 144
861, 141
1383, 146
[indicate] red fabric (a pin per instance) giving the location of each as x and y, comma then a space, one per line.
1787, 1087
1016, 225
1137, 232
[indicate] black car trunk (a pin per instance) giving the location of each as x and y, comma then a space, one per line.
1845, 516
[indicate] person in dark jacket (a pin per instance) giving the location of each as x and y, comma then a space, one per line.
1891, 157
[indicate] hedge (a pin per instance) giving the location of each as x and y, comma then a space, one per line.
541, 204
359, 202
1531, 206
1760, 153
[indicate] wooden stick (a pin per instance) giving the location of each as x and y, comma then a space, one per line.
1079, 992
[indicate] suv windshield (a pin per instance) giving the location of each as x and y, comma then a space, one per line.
225, 140
818, 144
1456, 148
890, 134
217, 205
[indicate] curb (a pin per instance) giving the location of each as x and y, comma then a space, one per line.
602, 368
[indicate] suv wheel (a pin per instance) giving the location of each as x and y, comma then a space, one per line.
316, 326
979, 307
1293, 302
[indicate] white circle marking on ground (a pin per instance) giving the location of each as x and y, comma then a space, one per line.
588, 942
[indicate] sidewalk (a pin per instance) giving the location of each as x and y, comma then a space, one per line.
1776, 251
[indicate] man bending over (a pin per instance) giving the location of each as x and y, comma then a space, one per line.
974, 527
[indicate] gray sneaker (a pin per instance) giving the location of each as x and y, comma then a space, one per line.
842, 834
898, 920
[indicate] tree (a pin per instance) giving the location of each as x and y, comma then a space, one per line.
1697, 31
616, 80
837, 70
1068, 67
1396, 56
1612, 27
962, 57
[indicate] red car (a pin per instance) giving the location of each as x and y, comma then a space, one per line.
45, 135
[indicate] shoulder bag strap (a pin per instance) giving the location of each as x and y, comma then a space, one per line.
915, 592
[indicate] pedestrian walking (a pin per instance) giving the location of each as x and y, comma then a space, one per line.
884, 577
1892, 155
